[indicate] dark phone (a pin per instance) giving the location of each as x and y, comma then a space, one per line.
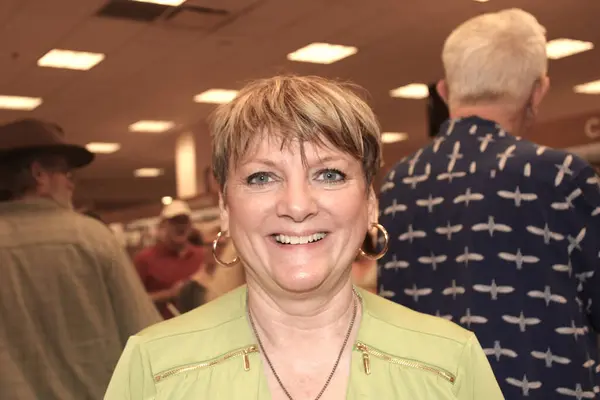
437, 111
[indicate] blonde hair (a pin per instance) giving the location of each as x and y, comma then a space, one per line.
302, 108
495, 57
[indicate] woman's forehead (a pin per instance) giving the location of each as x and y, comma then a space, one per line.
276, 148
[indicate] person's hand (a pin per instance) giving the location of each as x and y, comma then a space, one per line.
175, 290
202, 277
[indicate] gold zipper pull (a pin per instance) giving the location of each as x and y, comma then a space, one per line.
246, 360
366, 359
367, 363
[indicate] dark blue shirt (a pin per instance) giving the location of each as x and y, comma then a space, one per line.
501, 236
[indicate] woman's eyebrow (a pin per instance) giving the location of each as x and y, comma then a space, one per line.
263, 161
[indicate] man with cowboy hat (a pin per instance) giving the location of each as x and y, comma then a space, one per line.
69, 296
38, 147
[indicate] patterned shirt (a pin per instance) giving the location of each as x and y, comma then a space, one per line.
503, 237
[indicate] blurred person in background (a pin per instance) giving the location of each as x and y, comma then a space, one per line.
223, 280
295, 158
195, 238
94, 215
493, 231
165, 267
214, 280
69, 297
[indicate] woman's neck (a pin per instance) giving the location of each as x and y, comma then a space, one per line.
282, 320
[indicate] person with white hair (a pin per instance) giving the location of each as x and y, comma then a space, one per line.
495, 232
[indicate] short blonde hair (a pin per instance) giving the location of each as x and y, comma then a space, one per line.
495, 57
302, 108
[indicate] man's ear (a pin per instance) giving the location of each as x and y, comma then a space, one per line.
224, 213
39, 175
37, 171
539, 92
442, 89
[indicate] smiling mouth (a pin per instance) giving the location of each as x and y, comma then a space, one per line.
285, 239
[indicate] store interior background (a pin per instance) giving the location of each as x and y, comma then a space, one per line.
157, 59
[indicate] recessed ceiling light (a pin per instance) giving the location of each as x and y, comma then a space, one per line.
103, 148
151, 126
19, 102
216, 96
588, 88
68, 59
148, 172
392, 137
561, 48
167, 200
173, 3
322, 53
411, 91
481, 1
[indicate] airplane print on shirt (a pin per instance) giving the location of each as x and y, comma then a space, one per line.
501, 236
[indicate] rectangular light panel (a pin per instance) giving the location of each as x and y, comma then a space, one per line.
393, 137
151, 126
19, 102
322, 53
411, 91
563, 47
173, 3
147, 172
588, 88
216, 96
103, 148
69, 59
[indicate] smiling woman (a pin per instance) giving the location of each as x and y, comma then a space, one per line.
294, 158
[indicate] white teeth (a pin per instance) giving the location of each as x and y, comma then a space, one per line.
300, 239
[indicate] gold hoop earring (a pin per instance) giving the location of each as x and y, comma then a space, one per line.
386, 237
216, 257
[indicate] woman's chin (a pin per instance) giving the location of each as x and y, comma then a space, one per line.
300, 281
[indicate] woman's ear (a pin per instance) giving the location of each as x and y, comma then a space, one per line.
224, 213
373, 206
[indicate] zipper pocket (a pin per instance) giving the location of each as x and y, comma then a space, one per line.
367, 352
210, 363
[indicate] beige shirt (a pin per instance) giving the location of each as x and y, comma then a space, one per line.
69, 299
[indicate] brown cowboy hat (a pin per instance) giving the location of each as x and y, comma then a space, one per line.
30, 136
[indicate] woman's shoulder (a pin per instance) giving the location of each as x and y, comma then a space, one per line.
397, 318
211, 330
219, 314
423, 339
426, 344
193, 340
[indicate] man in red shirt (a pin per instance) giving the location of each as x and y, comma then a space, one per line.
165, 267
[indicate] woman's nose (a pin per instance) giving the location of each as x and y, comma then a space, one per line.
297, 200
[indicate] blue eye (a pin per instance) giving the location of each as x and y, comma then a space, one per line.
259, 178
332, 175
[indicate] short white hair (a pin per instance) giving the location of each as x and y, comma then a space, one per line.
495, 58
